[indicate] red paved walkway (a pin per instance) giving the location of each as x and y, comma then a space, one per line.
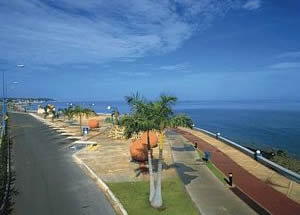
264, 195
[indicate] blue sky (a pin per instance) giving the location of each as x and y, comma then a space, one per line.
195, 49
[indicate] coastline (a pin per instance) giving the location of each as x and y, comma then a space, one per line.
269, 126
276, 154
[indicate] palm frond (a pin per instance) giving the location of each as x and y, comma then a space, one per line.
181, 120
157, 115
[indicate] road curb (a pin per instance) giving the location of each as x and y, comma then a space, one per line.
107, 191
40, 118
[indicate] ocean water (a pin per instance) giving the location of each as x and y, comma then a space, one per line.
258, 124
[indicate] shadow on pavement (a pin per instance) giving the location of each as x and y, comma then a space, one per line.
182, 171
252, 204
12, 192
186, 148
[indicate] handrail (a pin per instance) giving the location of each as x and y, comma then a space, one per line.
280, 169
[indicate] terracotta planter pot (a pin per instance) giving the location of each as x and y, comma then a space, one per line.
138, 151
93, 123
153, 139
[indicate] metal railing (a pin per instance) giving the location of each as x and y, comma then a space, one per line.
280, 169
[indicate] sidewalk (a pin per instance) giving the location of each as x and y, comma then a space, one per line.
209, 194
261, 192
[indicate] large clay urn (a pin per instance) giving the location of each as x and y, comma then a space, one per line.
138, 151
93, 123
152, 137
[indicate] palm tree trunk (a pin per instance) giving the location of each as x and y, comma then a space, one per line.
150, 169
157, 199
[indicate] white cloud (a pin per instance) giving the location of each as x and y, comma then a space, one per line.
289, 54
285, 65
175, 67
135, 74
252, 4
95, 31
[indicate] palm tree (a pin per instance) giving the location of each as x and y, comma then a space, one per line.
53, 115
63, 111
79, 111
165, 118
49, 109
69, 112
46, 113
88, 112
146, 116
141, 120
115, 116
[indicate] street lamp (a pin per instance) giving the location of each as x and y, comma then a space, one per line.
109, 110
3, 99
114, 113
9, 87
3, 105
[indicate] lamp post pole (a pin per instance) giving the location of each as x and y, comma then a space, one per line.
3, 100
3, 105
109, 109
8, 88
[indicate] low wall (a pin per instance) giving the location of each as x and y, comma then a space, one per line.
283, 171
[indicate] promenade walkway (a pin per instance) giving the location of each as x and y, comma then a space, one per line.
110, 160
210, 195
228, 159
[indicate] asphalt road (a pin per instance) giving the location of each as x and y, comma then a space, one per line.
47, 181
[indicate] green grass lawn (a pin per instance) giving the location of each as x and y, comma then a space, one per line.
134, 197
218, 173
